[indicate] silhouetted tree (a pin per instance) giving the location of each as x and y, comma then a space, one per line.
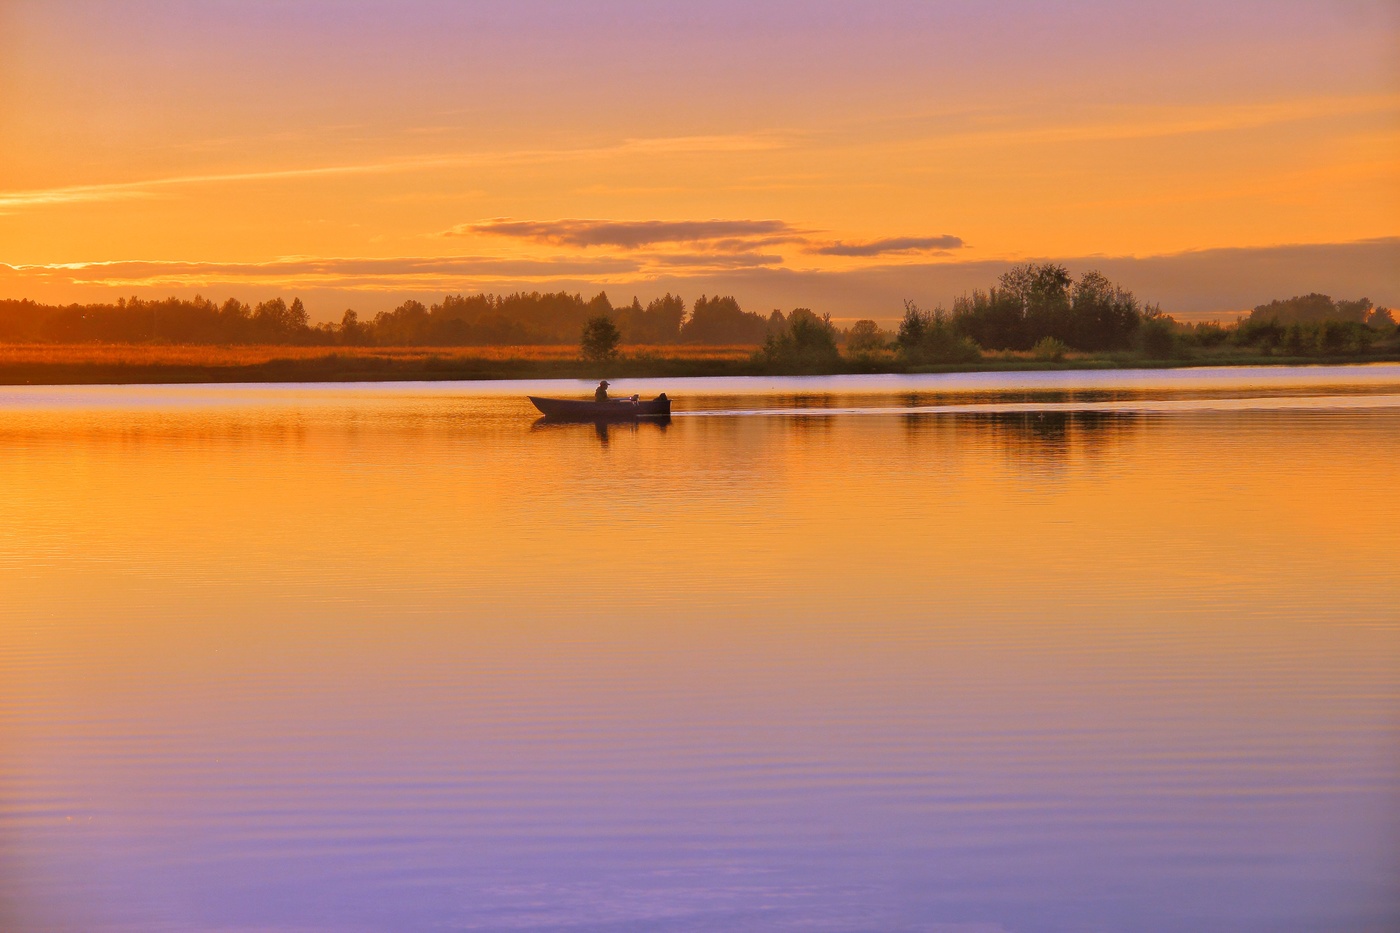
1381, 319
1311, 309
658, 323
1103, 316
721, 321
351, 332
865, 335
664, 316
1355, 311
599, 339
913, 325
1032, 302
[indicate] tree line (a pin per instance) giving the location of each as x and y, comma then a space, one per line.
1043, 309
458, 320
1040, 308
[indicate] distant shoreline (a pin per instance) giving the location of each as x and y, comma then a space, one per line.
37, 364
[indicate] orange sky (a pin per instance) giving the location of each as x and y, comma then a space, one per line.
360, 155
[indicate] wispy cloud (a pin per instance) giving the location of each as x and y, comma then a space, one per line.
403, 273
1013, 129
901, 244
729, 235
712, 237
718, 261
150, 187
626, 250
341, 272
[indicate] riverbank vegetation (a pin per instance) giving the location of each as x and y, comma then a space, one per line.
1034, 317
1040, 316
520, 319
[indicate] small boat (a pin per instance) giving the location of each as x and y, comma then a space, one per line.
614, 409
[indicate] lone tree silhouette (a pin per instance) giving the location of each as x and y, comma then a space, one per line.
600, 338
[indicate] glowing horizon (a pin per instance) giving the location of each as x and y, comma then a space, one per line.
377, 152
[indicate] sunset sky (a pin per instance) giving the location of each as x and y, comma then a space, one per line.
837, 155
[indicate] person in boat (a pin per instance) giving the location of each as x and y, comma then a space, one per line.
601, 394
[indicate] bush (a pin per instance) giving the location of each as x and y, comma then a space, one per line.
1297, 341
932, 337
1326, 338
1156, 338
1050, 350
1343, 337
600, 339
1209, 334
807, 344
1331, 337
942, 344
1265, 334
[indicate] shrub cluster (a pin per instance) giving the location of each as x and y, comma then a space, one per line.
933, 337
1043, 309
1033, 302
804, 343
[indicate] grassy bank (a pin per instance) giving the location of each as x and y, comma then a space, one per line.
117, 364
108, 364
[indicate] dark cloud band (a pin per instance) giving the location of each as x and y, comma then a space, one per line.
627, 234
336, 268
900, 244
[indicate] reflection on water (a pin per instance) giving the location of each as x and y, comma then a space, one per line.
1046, 438
602, 426
938, 655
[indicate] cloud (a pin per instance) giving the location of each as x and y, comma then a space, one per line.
632, 234
899, 244
714, 237
403, 272
118, 191
346, 272
717, 261
124, 190
1140, 123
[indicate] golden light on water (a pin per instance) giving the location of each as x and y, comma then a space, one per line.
264, 638
975, 652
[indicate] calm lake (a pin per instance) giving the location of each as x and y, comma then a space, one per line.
964, 653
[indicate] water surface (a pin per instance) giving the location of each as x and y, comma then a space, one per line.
1021, 652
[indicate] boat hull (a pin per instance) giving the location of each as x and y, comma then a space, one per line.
563, 409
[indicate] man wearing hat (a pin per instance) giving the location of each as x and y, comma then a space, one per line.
601, 395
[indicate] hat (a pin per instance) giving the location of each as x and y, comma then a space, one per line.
605, 383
